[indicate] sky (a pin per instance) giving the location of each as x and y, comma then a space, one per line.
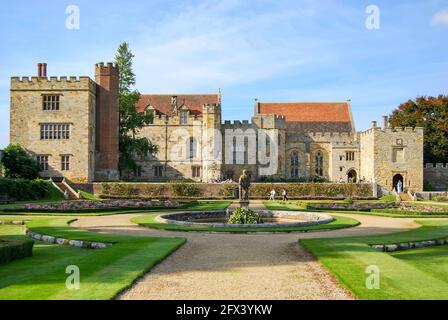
272, 50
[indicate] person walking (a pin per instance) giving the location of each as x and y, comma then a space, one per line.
285, 195
272, 196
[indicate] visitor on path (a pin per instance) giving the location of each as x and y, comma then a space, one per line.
285, 195
341, 180
399, 187
272, 195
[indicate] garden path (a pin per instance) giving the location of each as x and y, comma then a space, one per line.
240, 266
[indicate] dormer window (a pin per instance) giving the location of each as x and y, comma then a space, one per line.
183, 117
149, 111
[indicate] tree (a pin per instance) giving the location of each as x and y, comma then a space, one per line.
18, 164
131, 121
431, 113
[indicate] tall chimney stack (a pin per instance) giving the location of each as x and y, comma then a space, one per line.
44, 70
385, 122
39, 70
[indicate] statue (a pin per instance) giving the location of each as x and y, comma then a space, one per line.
244, 183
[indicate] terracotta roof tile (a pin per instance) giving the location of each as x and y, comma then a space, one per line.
162, 102
308, 111
311, 116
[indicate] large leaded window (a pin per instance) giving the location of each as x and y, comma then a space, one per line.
294, 165
319, 164
65, 162
55, 131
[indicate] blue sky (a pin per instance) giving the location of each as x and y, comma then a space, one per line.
273, 50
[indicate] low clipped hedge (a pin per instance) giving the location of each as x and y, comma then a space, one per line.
15, 249
313, 190
187, 190
24, 190
406, 212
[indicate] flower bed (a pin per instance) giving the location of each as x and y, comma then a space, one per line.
96, 206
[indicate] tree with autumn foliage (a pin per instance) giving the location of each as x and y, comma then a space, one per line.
431, 113
131, 121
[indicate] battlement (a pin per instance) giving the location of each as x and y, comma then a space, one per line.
443, 166
108, 65
52, 83
390, 130
237, 124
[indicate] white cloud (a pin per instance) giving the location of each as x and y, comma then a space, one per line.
440, 18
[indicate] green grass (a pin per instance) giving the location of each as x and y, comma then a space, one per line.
412, 274
149, 221
88, 196
104, 273
195, 206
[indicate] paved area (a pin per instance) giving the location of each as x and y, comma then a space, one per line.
234, 266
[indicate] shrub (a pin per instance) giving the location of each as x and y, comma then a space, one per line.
228, 190
244, 216
18, 164
155, 190
440, 199
15, 249
348, 201
388, 198
23, 190
181, 189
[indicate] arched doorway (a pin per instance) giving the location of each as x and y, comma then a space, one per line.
352, 176
398, 178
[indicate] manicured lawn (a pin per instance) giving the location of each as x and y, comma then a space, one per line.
103, 273
149, 221
413, 274
196, 206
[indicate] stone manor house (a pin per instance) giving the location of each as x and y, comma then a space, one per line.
70, 125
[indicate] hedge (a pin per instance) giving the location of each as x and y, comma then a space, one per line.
314, 190
183, 190
24, 190
15, 249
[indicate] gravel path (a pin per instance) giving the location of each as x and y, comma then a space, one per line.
239, 266
234, 266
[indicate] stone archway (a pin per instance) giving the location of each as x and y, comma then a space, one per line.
398, 177
352, 176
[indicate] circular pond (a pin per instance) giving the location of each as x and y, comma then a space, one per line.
217, 219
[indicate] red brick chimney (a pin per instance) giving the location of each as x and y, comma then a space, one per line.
42, 70
107, 122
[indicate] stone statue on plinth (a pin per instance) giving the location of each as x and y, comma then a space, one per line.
244, 184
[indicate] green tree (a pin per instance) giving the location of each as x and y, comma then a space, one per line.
431, 113
18, 164
131, 121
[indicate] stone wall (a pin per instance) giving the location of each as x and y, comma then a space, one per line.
77, 108
437, 175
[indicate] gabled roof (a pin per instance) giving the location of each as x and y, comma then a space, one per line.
311, 116
162, 102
